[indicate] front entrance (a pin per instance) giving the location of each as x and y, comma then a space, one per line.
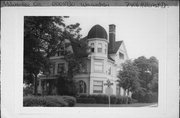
49, 87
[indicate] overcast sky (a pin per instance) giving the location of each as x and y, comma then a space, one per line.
143, 30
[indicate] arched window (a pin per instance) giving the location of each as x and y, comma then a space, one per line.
82, 87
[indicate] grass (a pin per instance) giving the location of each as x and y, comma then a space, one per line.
117, 105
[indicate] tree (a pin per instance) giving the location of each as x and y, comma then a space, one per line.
76, 64
128, 77
43, 36
148, 69
148, 76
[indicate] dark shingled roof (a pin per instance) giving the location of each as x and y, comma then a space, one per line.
109, 57
97, 31
112, 50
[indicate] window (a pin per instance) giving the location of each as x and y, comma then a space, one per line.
121, 55
61, 68
105, 49
109, 71
118, 91
52, 70
82, 86
100, 47
61, 50
97, 86
98, 66
92, 47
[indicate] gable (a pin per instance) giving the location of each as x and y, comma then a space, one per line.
122, 49
121, 55
112, 50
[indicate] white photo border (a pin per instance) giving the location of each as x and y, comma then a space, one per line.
12, 26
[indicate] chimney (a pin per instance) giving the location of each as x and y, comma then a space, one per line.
112, 36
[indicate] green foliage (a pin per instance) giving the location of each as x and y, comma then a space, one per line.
103, 99
49, 101
70, 100
141, 78
43, 37
128, 76
66, 86
86, 100
148, 72
146, 98
28, 90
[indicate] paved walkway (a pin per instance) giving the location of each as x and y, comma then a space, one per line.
118, 105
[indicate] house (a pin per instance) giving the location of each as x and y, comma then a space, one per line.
102, 64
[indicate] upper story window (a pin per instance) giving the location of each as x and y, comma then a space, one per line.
61, 68
92, 47
99, 47
52, 69
121, 55
98, 66
105, 49
61, 50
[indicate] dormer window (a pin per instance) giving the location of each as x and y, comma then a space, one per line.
92, 47
100, 47
121, 55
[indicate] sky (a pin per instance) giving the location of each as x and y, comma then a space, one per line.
143, 30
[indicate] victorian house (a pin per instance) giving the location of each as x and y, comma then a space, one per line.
102, 64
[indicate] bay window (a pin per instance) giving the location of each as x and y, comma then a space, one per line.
97, 86
98, 66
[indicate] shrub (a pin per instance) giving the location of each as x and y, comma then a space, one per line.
86, 100
28, 90
51, 101
70, 100
100, 99
103, 99
37, 101
147, 98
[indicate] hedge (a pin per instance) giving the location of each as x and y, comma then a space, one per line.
103, 99
49, 101
147, 98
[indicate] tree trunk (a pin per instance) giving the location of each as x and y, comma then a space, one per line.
35, 84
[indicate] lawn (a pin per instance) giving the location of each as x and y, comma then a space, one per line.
118, 105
